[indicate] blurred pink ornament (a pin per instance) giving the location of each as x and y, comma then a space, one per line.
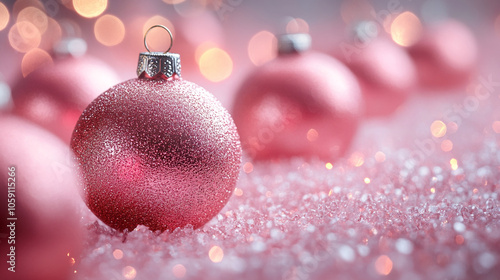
44, 240
54, 96
299, 104
157, 151
386, 73
446, 56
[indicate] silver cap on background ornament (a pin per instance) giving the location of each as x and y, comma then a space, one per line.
293, 43
154, 65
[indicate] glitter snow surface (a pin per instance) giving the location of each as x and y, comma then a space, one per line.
403, 204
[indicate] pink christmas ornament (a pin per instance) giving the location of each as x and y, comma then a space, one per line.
299, 104
386, 73
157, 151
446, 56
54, 96
41, 235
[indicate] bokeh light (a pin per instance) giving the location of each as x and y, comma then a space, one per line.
312, 135
4, 16
118, 254
202, 48
383, 265
24, 36
35, 16
496, 126
179, 271
238, 192
173, 2
248, 167
34, 59
406, 29
329, 165
262, 47
109, 30
158, 38
297, 25
216, 254
129, 272
454, 164
355, 10
52, 36
438, 129
90, 8
216, 65
357, 159
367, 180
379, 156
446, 145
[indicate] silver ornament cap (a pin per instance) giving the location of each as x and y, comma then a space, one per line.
293, 43
162, 65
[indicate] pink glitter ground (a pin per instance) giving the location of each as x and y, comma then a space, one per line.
377, 214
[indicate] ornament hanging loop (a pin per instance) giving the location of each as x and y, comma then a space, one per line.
161, 26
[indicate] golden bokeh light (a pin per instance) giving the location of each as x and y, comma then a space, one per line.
129, 272
262, 47
312, 135
406, 29
496, 126
454, 164
158, 38
383, 265
379, 156
329, 165
24, 36
90, 8
33, 60
357, 159
433, 190
297, 25
446, 145
109, 30
19, 5
216, 254
35, 16
367, 180
179, 271
118, 254
248, 167
4, 16
216, 65
438, 129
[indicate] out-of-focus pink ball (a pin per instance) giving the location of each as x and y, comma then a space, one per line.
446, 56
159, 153
55, 96
299, 104
386, 73
38, 179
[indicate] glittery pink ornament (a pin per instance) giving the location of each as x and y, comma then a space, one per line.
157, 151
44, 236
446, 56
386, 72
55, 96
299, 104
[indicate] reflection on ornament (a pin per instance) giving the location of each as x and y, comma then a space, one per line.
299, 104
385, 71
54, 96
39, 182
446, 56
157, 151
